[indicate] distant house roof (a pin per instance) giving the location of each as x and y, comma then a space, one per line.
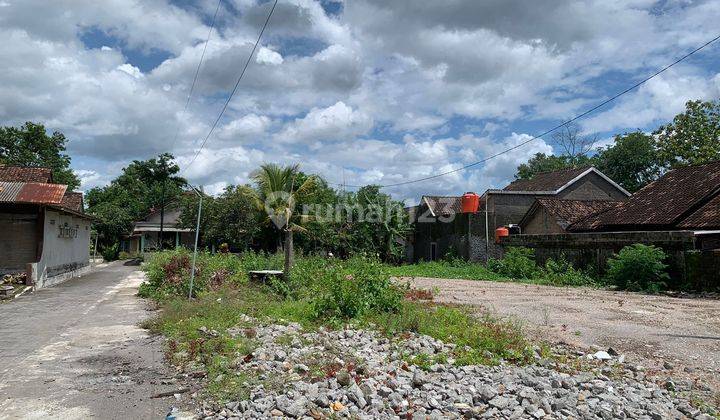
568, 212
553, 182
25, 174
31, 193
546, 181
669, 201
73, 201
442, 205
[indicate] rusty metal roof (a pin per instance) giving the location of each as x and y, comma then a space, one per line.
31, 192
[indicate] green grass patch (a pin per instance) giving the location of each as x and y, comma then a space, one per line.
518, 266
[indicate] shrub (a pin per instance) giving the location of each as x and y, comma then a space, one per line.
561, 273
638, 268
518, 263
110, 253
352, 288
168, 273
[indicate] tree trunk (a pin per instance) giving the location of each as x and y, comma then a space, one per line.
288, 252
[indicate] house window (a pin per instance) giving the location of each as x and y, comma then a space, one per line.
433, 251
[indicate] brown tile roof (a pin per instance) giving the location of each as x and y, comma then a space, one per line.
546, 181
73, 201
31, 192
25, 174
665, 201
706, 217
443, 205
568, 212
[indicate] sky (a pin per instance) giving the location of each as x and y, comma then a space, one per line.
358, 91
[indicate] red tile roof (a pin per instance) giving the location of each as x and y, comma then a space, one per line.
666, 201
568, 212
25, 174
706, 217
73, 201
546, 181
443, 205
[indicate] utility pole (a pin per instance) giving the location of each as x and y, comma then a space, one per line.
197, 234
162, 215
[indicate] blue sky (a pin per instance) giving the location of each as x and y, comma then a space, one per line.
379, 91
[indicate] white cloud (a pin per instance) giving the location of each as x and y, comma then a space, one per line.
336, 122
268, 56
382, 92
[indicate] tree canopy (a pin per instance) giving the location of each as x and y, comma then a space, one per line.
693, 137
632, 160
142, 186
30, 145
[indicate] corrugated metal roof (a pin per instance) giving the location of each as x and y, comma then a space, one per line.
9, 190
31, 192
37, 193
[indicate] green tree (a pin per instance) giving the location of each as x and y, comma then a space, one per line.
278, 188
548, 163
30, 145
693, 137
632, 161
142, 186
231, 218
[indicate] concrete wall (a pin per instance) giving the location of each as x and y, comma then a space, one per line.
585, 250
542, 222
65, 248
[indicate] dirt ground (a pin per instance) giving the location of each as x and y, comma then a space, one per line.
650, 329
75, 351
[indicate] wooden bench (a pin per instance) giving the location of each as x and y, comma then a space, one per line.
262, 276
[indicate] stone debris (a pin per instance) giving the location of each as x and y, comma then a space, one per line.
360, 374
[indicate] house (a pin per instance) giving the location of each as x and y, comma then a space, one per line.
551, 215
435, 230
145, 235
440, 226
45, 231
683, 199
679, 212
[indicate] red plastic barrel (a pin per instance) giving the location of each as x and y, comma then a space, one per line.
501, 232
470, 202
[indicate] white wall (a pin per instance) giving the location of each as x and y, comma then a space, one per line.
66, 240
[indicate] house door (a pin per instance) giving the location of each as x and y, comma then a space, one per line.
433, 251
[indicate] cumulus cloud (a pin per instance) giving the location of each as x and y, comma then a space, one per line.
376, 92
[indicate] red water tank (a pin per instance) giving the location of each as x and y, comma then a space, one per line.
501, 232
470, 202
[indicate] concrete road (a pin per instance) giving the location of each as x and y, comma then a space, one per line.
75, 351
650, 329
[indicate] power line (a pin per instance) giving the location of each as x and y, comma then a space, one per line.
577, 117
237, 83
197, 72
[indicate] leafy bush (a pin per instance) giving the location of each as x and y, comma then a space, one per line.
638, 268
110, 253
518, 263
561, 273
352, 288
168, 273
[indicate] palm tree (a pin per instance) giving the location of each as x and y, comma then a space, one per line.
277, 188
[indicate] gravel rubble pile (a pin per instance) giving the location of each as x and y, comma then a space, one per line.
360, 374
